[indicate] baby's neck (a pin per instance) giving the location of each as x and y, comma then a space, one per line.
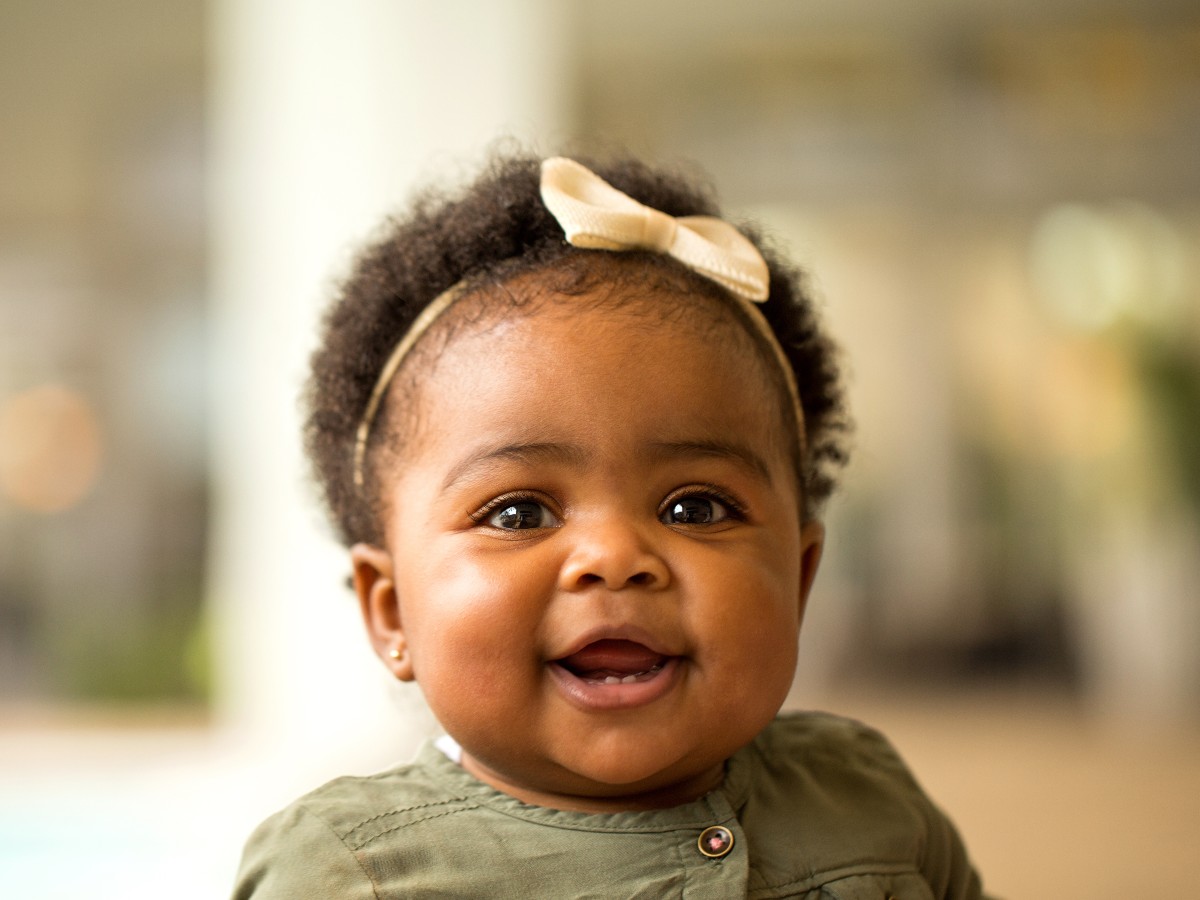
665, 797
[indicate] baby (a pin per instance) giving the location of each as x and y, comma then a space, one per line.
576, 432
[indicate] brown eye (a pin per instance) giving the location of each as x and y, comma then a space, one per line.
694, 510
521, 514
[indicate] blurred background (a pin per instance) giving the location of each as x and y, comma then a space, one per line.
1000, 208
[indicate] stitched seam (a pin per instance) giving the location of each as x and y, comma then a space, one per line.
819, 879
402, 810
366, 874
350, 850
683, 868
598, 829
714, 816
404, 825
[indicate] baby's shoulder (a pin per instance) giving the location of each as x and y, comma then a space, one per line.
826, 789
315, 846
833, 751
841, 772
821, 738
358, 808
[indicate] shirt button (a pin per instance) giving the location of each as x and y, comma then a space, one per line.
715, 841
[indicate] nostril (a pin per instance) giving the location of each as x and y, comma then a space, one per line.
615, 559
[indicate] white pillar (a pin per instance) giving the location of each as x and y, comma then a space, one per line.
324, 117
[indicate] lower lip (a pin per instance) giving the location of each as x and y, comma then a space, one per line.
598, 696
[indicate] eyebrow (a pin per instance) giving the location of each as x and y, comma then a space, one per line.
730, 450
527, 454
533, 453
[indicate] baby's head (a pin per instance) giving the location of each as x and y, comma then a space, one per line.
581, 503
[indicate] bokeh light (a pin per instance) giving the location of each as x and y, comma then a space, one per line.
1091, 264
50, 448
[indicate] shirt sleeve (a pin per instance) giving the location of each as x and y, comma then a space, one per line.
944, 863
946, 866
295, 854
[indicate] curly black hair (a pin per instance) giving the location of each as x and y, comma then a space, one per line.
492, 232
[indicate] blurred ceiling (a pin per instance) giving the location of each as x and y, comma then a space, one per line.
1012, 104
675, 27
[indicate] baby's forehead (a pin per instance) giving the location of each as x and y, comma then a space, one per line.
680, 362
591, 330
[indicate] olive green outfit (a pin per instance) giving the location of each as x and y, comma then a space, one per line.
816, 806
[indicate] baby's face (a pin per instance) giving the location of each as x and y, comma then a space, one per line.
594, 561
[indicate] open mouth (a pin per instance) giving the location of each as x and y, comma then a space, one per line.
612, 661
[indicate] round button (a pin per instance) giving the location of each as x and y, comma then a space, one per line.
715, 841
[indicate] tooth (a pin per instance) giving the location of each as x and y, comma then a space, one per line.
612, 679
629, 679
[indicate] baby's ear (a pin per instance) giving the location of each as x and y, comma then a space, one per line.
812, 544
374, 583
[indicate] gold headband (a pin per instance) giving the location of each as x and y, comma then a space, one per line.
596, 216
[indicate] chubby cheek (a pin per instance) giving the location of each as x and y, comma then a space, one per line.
749, 635
468, 685
472, 635
756, 666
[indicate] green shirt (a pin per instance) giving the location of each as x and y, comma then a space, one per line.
817, 807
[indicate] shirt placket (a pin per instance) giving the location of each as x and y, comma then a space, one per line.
715, 856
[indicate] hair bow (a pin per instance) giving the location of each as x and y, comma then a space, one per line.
596, 216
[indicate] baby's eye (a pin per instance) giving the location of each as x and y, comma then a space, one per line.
515, 515
695, 509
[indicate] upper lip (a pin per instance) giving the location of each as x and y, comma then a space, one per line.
624, 632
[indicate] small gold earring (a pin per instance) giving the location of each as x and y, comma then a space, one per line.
395, 653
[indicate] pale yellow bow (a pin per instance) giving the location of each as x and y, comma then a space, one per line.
596, 216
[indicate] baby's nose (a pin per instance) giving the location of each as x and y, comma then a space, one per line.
613, 554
